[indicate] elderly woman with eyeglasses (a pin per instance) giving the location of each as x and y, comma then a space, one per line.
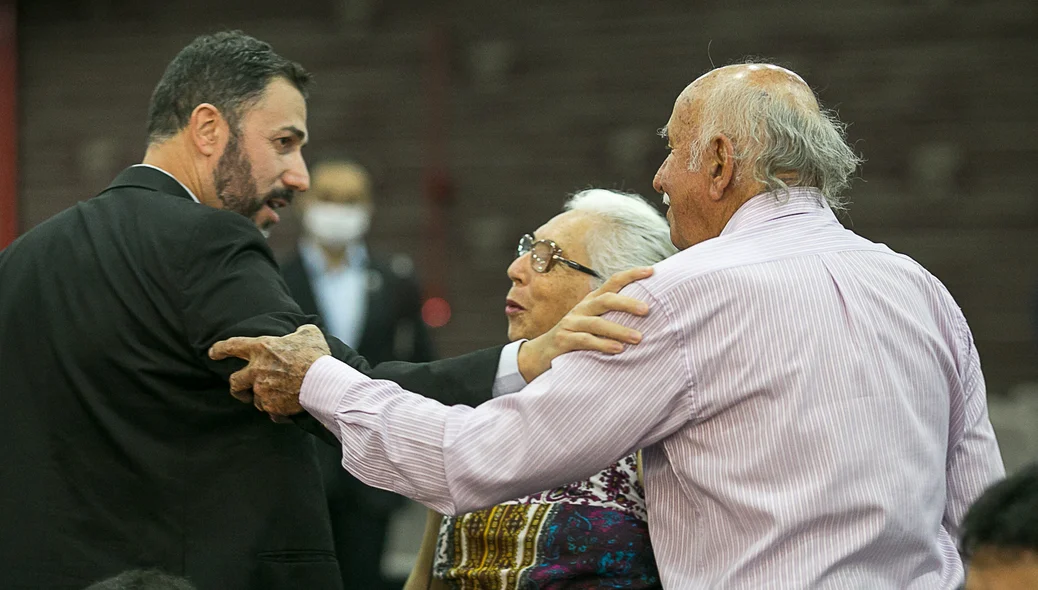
591, 533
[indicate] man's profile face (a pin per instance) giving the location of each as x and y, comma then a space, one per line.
262, 165
685, 188
537, 301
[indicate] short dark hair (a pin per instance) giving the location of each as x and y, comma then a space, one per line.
229, 70
1005, 516
143, 580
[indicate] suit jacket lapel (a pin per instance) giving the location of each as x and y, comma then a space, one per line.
376, 291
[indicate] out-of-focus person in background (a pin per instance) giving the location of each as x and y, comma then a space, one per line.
122, 450
373, 305
1000, 535
370, 302
591, 533
810, 404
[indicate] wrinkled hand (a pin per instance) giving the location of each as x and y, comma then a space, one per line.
272, 379
583, 328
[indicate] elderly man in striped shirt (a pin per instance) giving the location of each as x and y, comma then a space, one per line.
810, 403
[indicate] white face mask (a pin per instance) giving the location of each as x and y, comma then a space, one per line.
334, 224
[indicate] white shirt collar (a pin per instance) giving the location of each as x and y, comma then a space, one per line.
171, 176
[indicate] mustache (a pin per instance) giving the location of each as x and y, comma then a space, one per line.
281, 194
275, 199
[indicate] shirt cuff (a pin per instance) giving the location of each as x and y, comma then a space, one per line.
509, 379
324, 386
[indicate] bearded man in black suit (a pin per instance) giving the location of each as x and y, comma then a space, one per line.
122, 449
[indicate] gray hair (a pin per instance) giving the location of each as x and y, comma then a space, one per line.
632, 232
775, 134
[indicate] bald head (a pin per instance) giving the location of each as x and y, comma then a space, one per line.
755, 74
781, 135
776, 81
773, 81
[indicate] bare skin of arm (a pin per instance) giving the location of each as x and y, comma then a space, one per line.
421, 577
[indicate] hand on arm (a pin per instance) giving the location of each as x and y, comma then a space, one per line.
583, 328
272, 379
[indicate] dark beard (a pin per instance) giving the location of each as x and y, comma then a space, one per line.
233, 179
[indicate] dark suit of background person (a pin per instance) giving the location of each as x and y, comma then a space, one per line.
122, 448
331, 267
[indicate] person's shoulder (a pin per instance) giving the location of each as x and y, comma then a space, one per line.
691, 263
177, 217
147, 205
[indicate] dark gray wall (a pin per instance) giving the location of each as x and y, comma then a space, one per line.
548, 97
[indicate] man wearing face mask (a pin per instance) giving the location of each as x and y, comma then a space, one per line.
374, 306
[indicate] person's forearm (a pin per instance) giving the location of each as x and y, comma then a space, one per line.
588, 412
421, 577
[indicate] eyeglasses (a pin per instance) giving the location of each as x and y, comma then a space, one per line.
544, 253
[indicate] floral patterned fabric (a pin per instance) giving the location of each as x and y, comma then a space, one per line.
589, 534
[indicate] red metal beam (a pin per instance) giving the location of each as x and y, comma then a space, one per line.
8, 124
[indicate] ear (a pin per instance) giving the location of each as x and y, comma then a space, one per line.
721, 155
207, 129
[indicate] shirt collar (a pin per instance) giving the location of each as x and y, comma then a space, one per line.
171, 176
778, 203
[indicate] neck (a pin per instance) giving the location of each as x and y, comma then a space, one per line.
335, 256
171, 156
735, 198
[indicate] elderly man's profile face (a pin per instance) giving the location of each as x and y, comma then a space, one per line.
683, 188
537, 301
262, 166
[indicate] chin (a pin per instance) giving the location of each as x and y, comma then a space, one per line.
517, 331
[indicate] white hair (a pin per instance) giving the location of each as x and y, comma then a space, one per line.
777, 132
632, 232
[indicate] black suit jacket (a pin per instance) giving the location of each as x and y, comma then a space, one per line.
121, 446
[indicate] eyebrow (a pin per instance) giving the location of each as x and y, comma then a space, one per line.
299, 133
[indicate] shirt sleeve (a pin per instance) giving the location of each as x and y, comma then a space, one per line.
974, 460
509, 379
588, 411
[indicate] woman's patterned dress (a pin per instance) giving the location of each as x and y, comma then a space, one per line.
590, 534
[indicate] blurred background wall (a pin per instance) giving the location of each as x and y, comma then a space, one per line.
478, 119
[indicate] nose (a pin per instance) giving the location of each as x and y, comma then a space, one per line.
297, 177
519, 270
657, 181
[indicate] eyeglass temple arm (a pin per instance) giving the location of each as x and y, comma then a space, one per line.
578, 266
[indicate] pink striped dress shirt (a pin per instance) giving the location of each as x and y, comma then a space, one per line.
810, 403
